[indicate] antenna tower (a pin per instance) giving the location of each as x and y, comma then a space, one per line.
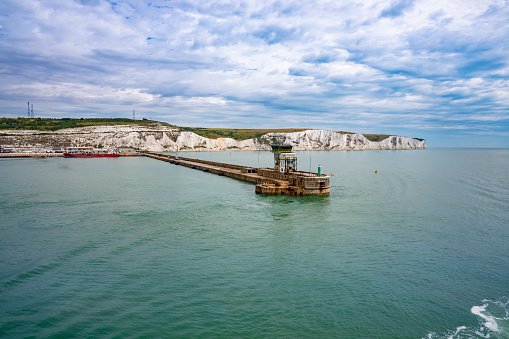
32, 111
134, 118
29, 109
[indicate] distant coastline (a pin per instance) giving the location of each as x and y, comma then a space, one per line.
156, 136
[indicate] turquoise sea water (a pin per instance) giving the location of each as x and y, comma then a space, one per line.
134, 247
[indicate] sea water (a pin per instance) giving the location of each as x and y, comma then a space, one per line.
410, 244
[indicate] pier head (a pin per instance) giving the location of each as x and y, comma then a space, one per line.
285, 169
283, 179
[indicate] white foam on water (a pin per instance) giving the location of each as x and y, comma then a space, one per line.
491, 321
458, 330
494, 317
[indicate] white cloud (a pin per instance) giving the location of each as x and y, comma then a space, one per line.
262, 63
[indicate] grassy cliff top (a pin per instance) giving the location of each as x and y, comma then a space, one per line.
376, 137
53, 124
237, 134
244, 134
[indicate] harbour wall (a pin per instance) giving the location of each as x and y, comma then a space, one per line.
32, 154
267, 180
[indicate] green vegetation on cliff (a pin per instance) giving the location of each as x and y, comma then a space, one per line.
237, 134
51, 124
376, 137
244, 134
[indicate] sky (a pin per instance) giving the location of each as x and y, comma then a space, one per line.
429, 69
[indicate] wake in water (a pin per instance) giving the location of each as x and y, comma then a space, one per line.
493, 322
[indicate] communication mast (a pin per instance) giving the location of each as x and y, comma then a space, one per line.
29, 109
32, 111
134, 118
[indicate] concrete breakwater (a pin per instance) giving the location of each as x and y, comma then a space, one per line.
267, 180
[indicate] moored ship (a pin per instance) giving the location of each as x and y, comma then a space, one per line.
89, 152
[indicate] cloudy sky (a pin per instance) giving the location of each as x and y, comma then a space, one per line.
421, 68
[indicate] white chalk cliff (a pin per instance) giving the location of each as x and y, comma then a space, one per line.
162, 137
